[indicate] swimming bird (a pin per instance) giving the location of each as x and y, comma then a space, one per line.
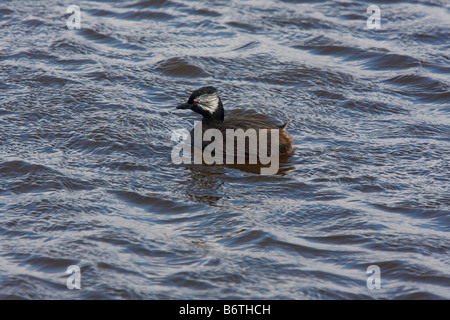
206, 101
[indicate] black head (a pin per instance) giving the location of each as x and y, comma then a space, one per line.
205, 101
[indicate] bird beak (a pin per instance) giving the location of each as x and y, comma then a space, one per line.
184, 106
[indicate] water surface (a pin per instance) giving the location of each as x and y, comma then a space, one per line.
86, 179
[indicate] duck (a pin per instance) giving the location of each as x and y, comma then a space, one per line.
206, 102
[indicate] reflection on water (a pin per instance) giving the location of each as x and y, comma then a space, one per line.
86, 176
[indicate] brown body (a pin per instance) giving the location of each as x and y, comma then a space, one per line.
285, 144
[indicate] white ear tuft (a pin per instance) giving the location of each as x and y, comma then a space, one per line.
209, 102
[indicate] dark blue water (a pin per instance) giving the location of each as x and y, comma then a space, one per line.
86, 178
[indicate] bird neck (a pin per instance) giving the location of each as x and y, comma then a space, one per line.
215, 119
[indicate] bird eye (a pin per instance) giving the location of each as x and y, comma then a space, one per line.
195, 101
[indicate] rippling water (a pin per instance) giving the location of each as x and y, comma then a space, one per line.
86, 178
